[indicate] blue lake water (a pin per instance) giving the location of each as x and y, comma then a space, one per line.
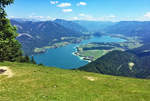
63, 58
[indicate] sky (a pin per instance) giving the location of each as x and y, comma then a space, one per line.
95, 10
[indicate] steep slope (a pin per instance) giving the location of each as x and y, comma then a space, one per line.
131, 28
94, 26
71, 25
121, 64
36, 83
38, 34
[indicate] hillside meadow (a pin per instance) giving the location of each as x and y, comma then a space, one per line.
28, 82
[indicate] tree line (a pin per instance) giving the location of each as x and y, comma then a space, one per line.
10, 48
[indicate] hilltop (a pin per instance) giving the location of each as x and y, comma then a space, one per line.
30, 82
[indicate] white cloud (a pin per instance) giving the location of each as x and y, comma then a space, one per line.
67, 10
64, 5
73, 18
111, 16
11, 17
86, 17
41, 18
147, 15
81, 14
108, 18
54, 2
81, 4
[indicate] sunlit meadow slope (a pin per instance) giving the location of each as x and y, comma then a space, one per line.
29, 82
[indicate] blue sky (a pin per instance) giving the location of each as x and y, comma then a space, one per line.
99, 10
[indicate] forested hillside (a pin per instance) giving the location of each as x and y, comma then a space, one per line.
121, 64
72, 25
132, 62
95, 26
40, 34
132, 29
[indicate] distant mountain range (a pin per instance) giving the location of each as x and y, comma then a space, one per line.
35, 33
95, 26
131, 28
131, 63
38, 34
71, 25
24, 19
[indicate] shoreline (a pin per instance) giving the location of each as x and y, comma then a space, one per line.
75, 53
75, 49
44, 49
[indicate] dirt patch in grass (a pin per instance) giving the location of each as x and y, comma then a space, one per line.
6, 71
90, 78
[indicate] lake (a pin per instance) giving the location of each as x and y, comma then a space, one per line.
63, 58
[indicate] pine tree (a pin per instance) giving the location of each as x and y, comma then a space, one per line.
27, 59
9, 46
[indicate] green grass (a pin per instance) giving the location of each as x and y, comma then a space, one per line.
56, 45
131, 43
37, 83
94, 53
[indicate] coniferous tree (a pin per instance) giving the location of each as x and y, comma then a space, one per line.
27, 58
9, 46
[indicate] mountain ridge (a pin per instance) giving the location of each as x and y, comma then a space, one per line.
42, 33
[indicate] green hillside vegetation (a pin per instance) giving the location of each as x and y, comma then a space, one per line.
61, 42
95, 50
28, 82
45, 33
120, 63
72, 25
10, 48
94, 54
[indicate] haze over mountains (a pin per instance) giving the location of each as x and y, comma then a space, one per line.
133, 62
34, 34
38, 34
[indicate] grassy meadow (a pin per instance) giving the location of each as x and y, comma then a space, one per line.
38, 83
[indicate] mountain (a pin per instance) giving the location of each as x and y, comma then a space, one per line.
39, 34
94, 26
24, 19
28, 82
71, 25
121, 63
131, 63
131, 28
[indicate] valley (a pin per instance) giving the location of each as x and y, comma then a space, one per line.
40, 34
73, 44
73, 50
95, 50
66, 56
63, 41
